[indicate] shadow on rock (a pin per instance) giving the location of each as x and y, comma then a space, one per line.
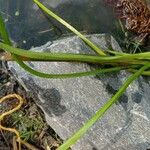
48, 99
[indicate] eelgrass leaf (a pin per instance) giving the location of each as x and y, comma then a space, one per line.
69, 75
67, 25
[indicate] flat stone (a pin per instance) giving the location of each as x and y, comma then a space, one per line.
69, 103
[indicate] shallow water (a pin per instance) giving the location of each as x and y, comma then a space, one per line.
29, 26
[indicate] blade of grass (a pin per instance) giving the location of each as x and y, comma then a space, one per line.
145, 73
3, 32
102, 110
70, 75
87, 41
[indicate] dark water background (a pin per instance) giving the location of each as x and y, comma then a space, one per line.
28, 26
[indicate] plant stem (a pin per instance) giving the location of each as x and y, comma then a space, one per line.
102, 110
69, 75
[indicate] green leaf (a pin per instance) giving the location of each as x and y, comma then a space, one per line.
69, 75
67, 25
3, 32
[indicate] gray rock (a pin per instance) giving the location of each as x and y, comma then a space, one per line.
69, 103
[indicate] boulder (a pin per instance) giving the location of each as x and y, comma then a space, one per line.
69, 103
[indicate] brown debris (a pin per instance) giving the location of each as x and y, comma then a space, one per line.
137, 15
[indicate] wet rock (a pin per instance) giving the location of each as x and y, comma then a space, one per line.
69, 103
33, 28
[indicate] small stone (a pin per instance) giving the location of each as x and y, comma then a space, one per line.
24, 41
17, 13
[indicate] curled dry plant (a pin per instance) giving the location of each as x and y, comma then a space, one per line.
136, 15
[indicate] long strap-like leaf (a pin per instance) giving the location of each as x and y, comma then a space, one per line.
67, 25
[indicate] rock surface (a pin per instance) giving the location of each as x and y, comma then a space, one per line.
69, 103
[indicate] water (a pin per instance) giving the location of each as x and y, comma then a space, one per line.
28, 26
